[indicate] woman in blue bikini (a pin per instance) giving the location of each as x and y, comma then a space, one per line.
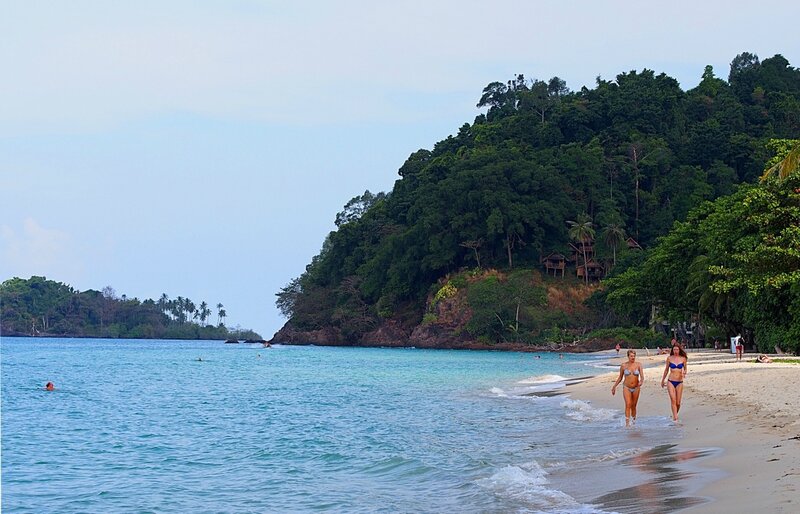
676, 366
633, 374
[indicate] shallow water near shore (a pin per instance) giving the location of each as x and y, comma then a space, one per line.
146, 426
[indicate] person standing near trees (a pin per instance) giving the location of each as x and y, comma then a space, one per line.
739, 347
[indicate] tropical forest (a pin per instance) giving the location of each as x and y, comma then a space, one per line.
631, 210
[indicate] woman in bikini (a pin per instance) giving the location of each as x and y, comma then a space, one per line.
633, 375
676, 367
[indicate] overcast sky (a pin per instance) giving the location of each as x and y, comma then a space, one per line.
203, 148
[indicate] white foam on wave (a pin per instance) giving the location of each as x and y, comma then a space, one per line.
498, 392
610, 456
542, 379
582, 411
528, 483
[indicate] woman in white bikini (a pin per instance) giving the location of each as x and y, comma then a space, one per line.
633, 375
676, 366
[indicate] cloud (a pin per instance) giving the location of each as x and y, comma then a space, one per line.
36, 250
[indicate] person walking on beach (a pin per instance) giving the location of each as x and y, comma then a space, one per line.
676, 367
633, 375
617, 348
739, 347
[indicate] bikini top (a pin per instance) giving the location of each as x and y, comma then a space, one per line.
628, 372
673, 366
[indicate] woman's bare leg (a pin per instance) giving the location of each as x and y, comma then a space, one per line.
678, 396
673, 400
634, 403
627, 396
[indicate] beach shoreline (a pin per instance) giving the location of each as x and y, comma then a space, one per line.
747, 410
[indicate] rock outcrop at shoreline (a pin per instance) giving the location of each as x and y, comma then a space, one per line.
393, 334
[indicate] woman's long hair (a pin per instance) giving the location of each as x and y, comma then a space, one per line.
681, 351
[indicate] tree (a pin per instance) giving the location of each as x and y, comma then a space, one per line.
474, 245
786, 160
356, 207
163, 302
203, 312
583, 232
614, 235
220, 314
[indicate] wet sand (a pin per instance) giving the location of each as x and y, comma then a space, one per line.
741, 420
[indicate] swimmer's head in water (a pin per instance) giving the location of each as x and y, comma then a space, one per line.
49, 386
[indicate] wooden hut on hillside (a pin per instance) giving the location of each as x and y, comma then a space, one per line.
632, 244
594, 269
578, 250
555, 262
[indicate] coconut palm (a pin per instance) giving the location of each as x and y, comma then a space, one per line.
614, 235
582, 231
789, 164
220, 313
163, 302
203, 312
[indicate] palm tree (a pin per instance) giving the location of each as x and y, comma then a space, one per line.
220, 312
204, 312
190, 309
614, 235
163, 302
786, 166
582, 231
180, 306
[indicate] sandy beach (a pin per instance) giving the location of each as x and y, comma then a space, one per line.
750, 411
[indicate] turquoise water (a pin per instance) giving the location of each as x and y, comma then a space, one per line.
143, 426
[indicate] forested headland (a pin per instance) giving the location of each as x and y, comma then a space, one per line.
41, 307
646, 202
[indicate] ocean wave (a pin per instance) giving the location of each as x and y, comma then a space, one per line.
527, 483
580, 410
498, 392
605, 457
543, 379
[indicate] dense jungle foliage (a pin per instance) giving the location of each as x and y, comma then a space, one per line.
545, 166
42, 307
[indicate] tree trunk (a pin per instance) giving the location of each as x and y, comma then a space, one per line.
585, 265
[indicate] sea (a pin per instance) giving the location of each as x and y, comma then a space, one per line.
141, 426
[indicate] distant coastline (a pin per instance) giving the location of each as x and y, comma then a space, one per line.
38, 307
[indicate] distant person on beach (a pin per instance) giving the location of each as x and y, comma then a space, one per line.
633, 375
739, 347
716, 344
676, 367
50, 386
763, 359
617, 348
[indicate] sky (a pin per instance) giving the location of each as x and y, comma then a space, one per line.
203, 148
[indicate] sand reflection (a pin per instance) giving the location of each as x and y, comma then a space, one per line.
671, 477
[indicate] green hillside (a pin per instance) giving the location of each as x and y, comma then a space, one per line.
542, 168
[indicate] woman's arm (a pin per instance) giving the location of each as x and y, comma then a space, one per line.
619, 379
641, 375
664, 377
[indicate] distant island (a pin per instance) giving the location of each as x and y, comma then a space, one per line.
632, 211
46, 308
